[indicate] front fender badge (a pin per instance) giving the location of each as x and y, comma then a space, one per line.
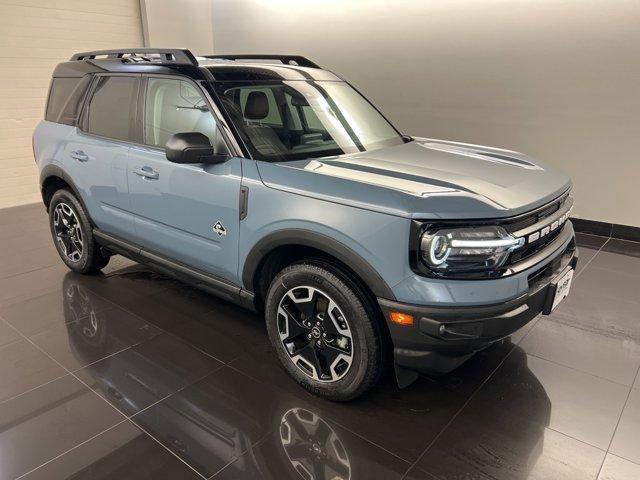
219, 229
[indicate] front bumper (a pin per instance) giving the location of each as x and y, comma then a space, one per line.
442, 338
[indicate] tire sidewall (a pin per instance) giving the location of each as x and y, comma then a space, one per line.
364, 340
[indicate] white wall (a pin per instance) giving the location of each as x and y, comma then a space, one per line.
35, 35
178, 24
558, 79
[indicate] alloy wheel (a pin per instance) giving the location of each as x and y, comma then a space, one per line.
68, 231
315, 334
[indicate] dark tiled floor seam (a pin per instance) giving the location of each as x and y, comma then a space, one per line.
591, 259
125, 417
71, 449
31, 389
618, 424
584, 372
54, 261
236, 458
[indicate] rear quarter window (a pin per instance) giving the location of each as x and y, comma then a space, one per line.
65, 99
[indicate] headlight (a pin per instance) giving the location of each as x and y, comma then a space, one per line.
466, 250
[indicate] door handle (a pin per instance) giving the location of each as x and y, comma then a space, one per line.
146, 172
80, 156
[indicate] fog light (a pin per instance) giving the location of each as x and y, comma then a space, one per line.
400, 318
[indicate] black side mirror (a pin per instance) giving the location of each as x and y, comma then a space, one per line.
192, 147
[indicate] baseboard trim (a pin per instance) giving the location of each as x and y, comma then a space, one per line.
605, 229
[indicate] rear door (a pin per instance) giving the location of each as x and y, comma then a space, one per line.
189, 213
96, 153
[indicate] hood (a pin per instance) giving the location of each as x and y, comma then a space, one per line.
425, 178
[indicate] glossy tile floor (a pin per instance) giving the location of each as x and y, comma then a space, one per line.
133, 375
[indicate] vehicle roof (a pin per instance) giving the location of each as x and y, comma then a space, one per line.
244, 67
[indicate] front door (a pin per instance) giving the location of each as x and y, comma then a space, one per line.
189, 213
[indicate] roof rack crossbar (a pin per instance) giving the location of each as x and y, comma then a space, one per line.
173, 56
286, 59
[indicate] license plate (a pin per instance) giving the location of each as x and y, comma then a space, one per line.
562, 288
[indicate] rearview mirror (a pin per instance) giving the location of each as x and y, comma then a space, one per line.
192, 147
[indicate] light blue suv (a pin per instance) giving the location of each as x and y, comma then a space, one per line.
274, 184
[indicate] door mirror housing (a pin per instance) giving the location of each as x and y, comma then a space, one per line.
192, 147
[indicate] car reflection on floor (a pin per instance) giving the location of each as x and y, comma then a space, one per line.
207, 428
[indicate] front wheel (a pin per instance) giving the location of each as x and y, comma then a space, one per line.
322, 333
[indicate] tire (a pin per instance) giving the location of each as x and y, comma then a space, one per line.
322, 333
72, 234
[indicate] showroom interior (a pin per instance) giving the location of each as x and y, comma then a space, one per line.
134, 372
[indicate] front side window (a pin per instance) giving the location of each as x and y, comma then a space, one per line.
175, 106
111, 111
290, 120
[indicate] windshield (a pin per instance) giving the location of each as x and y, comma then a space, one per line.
291, 120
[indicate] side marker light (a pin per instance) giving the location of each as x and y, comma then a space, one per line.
400, 318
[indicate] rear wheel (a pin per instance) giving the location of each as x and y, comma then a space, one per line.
72, 234
322, 333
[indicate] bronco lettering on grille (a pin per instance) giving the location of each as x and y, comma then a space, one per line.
546, 230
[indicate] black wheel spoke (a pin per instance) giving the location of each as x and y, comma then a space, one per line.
329, 355
77, 245
295, 327
309, 353
334, 347
68, 216
66, 241
330, 327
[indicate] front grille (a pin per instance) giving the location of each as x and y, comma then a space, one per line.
527, 219
530, 219
528, 250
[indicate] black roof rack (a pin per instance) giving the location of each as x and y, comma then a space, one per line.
166, 56
286, 59
183, 56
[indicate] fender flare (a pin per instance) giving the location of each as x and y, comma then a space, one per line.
52, 170
319, 241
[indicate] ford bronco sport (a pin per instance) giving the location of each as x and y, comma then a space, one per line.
274, 184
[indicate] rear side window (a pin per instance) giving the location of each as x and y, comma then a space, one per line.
65, 99
111, 110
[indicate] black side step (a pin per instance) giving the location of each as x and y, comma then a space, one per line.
203, 280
